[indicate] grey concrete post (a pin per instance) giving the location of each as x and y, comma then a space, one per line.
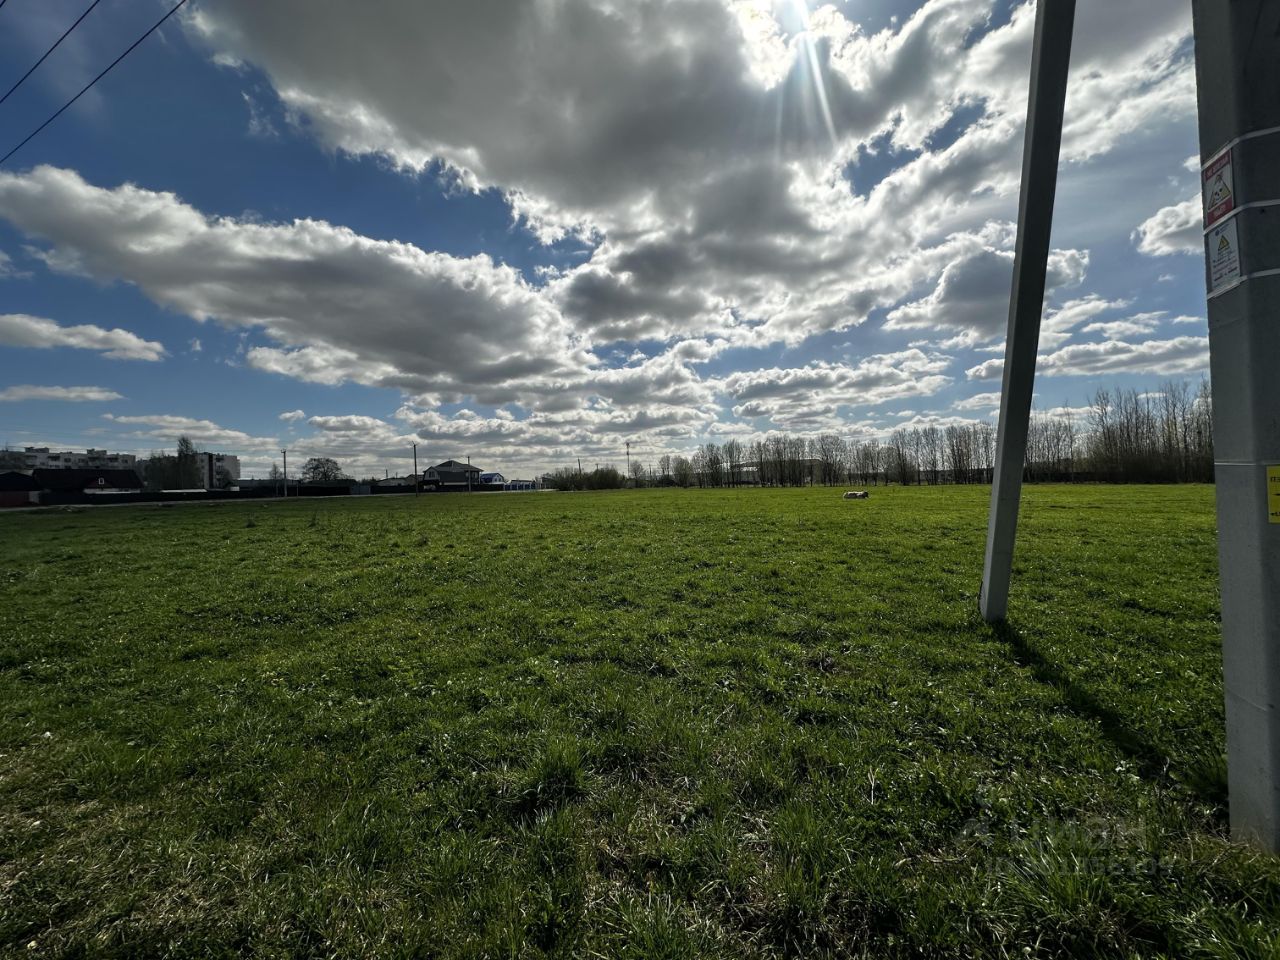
1238, 82
1051, 57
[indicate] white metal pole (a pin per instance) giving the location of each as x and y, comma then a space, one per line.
1238, 84
1051, 58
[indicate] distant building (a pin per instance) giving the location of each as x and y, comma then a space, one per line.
451, 475
394, 482
18, 489
215, 471
63, 480
493, 479
219, 471
42, 458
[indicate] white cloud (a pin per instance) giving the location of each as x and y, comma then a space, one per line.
1059, 325
1175, 229
292, 416
973, 291
20, 330
1131, 327
347, 424
1176, 357
260, 124
979, 401
23, 392
428, 322
987, 370
684, 142
166, 428
8, 271
815, 393
688, 138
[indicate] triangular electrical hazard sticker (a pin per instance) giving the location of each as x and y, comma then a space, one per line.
1221, 193
1223, 244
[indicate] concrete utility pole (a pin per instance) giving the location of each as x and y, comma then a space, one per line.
416, 484
1050, 59
285, 455
1238, 85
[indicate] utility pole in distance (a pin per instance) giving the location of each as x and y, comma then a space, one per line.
416, 484
1238, 88
285, 455
1050, 60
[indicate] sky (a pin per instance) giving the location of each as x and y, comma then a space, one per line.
530, 232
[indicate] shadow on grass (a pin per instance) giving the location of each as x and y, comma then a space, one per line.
1205, 775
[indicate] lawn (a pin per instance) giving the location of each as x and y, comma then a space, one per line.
640, 724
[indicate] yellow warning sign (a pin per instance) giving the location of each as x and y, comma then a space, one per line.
1273, 494
1222, 249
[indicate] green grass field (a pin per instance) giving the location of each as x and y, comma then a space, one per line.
639, 724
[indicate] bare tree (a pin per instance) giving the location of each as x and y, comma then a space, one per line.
682, 472
322, 470
637, 473
734, 454
899, 464
830, 450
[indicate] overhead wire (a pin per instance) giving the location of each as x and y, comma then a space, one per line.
85, 89
66, 33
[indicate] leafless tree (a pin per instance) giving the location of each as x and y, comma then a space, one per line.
734, 454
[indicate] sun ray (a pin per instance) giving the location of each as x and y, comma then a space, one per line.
815, 68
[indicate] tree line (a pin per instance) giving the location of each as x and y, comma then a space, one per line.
601, 478
1123, 436
180, 470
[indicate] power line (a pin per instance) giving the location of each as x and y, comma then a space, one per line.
64, 36
154, 28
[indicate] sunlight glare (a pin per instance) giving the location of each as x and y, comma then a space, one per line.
805, 38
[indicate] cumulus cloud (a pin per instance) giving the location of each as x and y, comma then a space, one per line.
20, 330
1175, 357
1179, 356
1061, 324
987, 370
704, 153
973, 292
292, 416
1174, 229
17, 394
166, 428
703, 148
979, 401
816, 392
428, 321
1135, 326
347, 424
